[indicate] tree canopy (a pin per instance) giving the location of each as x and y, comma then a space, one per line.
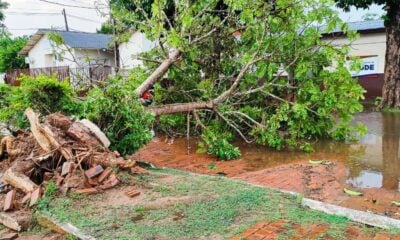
254, 69
3, 5
9, 48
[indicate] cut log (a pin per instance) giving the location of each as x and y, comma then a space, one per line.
81, 133
37, 130
18, 221
19, 180
51, 137
6, 145
59, 120
95, 130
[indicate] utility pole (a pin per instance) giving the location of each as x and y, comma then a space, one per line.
65, 19
116, 47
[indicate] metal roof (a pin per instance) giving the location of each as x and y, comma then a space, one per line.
363, 26
83, 40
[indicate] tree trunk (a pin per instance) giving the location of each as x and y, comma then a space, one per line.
391, 87
159, 72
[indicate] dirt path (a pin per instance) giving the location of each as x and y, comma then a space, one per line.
320, 182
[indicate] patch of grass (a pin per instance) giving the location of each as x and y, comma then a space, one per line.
391, 110
221, 207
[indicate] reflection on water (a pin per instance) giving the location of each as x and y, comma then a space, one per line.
373, 162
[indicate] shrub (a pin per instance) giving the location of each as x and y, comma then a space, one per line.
216, 142
44, 94
120, 115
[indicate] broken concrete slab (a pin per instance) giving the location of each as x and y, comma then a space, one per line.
63, 228
67, 168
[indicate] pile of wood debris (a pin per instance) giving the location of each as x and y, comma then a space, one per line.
73, 154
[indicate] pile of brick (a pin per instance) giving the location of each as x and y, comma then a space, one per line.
74, 155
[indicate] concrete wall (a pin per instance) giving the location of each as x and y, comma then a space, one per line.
138, 43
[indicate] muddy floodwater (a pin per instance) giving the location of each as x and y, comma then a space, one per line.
370, 165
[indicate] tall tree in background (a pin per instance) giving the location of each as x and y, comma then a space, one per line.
3, 5
9, 48
391, 87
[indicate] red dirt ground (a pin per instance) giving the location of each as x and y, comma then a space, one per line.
320, 182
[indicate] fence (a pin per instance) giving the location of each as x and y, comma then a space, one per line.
79, 78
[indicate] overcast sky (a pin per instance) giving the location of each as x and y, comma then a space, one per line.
24, 17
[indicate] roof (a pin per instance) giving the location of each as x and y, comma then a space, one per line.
363, 26
82, 40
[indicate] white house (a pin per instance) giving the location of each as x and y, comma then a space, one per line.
129, 51
370, 47
80, 49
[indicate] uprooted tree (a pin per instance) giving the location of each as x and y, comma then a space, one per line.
255, 69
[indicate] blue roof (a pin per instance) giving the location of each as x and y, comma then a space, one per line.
363, 26
85, 40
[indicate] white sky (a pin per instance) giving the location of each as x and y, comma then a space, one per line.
19, 22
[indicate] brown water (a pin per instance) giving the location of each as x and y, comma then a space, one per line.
372, 162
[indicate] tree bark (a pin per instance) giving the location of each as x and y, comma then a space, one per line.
174, 54
391, 87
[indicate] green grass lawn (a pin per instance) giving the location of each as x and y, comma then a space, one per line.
179, 205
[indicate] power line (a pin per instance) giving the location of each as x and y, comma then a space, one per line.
31, 13
82, 18
67, 5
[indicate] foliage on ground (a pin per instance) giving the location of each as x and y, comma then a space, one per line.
120, 115
219, 208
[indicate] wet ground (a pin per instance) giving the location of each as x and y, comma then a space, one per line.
371, 165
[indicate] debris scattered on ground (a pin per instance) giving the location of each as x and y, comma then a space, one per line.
72, 154
132, 193
352, 192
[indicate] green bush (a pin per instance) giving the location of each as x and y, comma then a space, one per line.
216, 142
43, 94
120, 115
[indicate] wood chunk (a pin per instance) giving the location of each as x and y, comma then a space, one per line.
111, 182
59, 179
96, 132
105, 174
9, 201
59, 120
18, 180
10, 236
87, 191
94, 171
37, 130
81, 133
18, 220
67, 168
132, 193
35, 196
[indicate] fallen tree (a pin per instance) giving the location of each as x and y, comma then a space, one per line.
258, 69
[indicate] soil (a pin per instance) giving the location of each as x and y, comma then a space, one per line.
320, 182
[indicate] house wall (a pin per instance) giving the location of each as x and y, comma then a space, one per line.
138, 43
368, 44
42, 56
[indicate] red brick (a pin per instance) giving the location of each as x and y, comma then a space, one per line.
9, 201
26, 198
67, 168
87, 191
132, 193
10, 236
92, 181
35, 196
139, 170
47, 176
105, 174
111, 182
94, 171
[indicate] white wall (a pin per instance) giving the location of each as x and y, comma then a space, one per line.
367, 45
138, 43
42, 55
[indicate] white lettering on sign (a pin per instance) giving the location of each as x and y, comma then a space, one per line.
369, 66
